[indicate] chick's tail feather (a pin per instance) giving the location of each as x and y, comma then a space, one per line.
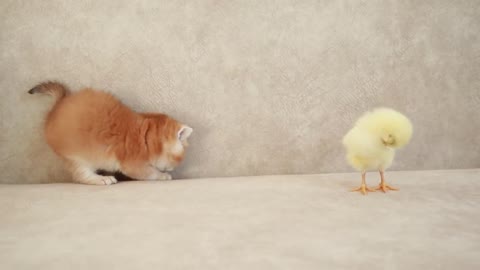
55, 89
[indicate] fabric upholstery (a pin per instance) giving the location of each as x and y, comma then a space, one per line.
270, 222
270, 87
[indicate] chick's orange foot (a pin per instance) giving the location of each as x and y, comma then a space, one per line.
384, 187
363, 189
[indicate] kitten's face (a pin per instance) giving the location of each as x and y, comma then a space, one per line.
174, 149
167, 142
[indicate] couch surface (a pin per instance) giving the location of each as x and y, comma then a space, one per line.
270, 87
268, 222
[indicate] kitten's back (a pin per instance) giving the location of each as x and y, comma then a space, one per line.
86, 122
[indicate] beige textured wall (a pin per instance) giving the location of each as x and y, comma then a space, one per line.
269, 86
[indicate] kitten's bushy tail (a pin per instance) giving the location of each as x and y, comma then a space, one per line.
55, 89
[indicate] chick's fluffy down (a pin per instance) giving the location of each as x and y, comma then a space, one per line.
371, 143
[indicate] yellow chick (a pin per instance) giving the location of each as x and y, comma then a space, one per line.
372, 142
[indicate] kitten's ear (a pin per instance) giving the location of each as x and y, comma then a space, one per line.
184, 133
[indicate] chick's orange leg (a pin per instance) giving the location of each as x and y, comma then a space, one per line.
383, 186
363, 188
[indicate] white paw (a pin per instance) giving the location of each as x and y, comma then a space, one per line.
109, 180
164, 176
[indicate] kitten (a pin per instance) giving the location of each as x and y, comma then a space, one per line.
92, 130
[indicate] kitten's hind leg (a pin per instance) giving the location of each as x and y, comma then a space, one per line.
85, 175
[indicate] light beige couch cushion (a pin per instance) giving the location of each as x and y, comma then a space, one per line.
270, 222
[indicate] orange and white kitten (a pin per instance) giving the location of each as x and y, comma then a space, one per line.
92, 130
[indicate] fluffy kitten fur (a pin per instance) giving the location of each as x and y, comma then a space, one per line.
92, 130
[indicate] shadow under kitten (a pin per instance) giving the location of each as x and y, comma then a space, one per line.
118, 175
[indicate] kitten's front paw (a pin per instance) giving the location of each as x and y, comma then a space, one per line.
164, 176
109, 180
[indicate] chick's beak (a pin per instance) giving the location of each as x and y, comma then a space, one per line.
388, 140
